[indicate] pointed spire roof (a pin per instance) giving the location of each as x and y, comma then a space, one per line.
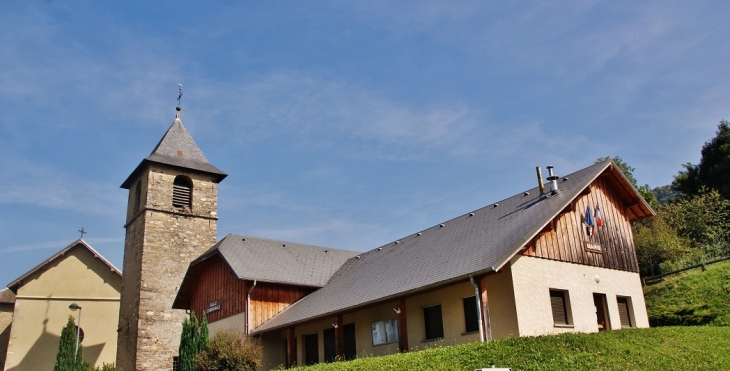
177, 148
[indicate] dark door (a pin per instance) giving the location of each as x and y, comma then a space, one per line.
330, 345
349, 335
600, 302
311, 350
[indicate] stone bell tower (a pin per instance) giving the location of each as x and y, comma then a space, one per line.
171, 220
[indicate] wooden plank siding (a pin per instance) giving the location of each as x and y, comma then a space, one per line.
565, 237
217, 283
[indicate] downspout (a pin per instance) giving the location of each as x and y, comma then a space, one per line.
479, 308
248, 308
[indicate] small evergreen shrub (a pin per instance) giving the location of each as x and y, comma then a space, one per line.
231, 350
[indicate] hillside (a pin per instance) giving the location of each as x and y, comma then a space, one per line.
691, 298
664, 348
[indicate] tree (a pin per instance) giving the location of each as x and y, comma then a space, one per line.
193, 340
67, 359
657, 244
703, 220
188, 344
231, 350
713, 171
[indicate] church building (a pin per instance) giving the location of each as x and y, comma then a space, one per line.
550, 259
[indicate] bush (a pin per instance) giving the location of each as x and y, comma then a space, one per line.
231, 350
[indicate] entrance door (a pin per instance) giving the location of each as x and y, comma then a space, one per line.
330, 345
599, 300
311, 349
349, 335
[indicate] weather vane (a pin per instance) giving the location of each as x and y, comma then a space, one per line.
83, 232
179, 97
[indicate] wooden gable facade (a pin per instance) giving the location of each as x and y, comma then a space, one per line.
220, 294
611, 245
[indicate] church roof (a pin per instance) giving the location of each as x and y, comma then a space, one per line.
252, 258
476, 243
7, 296
177, 148
78, 243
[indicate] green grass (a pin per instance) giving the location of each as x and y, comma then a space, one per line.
664, 348
691, 298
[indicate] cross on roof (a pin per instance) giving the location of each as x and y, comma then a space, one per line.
179, 97
83, 232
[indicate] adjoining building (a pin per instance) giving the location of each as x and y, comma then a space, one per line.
540, 262
7, 303
76, 274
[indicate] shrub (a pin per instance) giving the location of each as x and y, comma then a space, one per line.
231, 350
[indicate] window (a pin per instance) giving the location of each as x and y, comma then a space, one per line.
433, 321
624, 311
471, 314
174, 363
385, 332
182, 192
560, 303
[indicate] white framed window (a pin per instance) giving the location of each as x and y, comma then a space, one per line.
385, 331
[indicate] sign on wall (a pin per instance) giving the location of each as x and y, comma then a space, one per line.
593, 247
213, 306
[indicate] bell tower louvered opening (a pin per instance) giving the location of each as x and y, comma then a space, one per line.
182, 192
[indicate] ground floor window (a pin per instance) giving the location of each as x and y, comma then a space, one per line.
385, 332
471, 314
433, 321
624, 311
560, 303
174, 363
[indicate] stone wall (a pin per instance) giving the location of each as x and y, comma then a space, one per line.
161, 243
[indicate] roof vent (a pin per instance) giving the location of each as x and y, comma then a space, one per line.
283, 245
527, 193
565, 178
495, 205
357, 257
441, 225
539, 180
380, 248
243, 239
418, 234
553, 180
397, 242
471, 214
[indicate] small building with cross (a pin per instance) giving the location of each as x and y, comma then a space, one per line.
42, 296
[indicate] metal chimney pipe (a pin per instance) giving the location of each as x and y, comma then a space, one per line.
553, 180
539, 180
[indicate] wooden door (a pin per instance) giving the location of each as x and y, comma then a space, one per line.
311, 349
599, 300
350, 346
330, 345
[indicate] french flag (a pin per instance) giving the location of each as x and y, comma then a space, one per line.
597, 216
589, 221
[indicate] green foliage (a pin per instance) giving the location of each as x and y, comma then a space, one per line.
203, 335
664, 348
231, 350
190, 343
665, 194
713, 171
65, 359
657, 243
704, 220
107, 367
691, 298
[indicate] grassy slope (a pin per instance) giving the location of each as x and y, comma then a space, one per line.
664, 348
691, 298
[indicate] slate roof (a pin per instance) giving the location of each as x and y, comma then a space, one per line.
177, 148
471, 244
264, 260
7, 296
78, 243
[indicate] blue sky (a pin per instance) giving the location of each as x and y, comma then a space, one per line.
341, 124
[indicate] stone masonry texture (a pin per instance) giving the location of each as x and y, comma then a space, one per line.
161, 240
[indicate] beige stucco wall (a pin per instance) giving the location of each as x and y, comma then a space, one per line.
534, 277
236, 321
6, 318
41, 311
